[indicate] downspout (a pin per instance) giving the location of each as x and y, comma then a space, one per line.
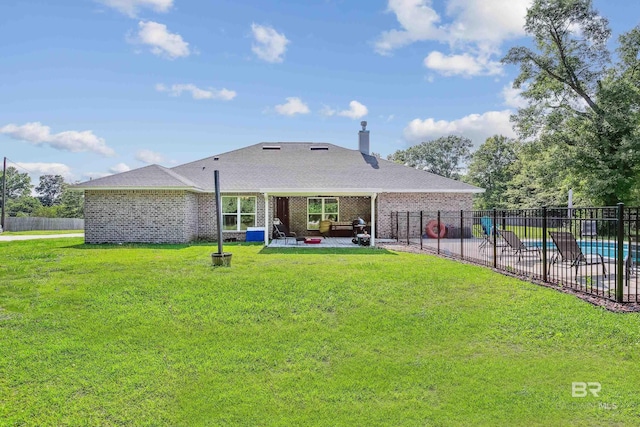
373, 219
266, 219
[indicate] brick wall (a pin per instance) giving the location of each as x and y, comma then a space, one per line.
145, 216
416, 202
155, 216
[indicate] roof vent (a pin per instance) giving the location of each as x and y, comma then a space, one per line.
319, 148
270, 147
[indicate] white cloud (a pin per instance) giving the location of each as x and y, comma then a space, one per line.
477, 127
512, 98
419, 21
473, 29
465, 65
486, 23
131, 7
37, 169
269, 44
292, 107
148, 156
356, 110
119, 168
74, 141
162, 42
196, 92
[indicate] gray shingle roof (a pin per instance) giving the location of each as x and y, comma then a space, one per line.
152, 176
294, 167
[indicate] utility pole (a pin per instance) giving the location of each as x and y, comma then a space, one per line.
4, 193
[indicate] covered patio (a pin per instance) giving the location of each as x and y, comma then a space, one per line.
293, 209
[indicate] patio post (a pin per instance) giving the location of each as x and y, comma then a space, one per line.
372, 238
545, 271
620, 257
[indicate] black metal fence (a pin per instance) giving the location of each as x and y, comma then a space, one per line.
591, 250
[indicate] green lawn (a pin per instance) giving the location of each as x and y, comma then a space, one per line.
153, 335
39, 232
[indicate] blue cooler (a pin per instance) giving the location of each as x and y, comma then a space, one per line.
255, 234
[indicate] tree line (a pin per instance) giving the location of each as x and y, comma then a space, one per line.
580, 128
53, 197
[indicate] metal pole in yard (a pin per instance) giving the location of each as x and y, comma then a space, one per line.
220, 258
620, 258
216, 178
545, 271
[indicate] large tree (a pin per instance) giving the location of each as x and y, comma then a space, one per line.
492, 167
50, 189
18, 184
579, 101
71, 203
445, 156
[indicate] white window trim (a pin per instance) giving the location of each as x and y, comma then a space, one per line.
323, 213
238, 214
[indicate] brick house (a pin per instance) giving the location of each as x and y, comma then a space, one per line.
299, 183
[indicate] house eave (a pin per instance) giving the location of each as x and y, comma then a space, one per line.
289, 191
191, 189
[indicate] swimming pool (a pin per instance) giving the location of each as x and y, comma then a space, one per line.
606, 248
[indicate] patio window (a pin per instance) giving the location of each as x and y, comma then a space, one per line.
238, 213
319, 208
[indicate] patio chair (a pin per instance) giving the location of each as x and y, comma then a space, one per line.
569, 251
488, 231
514, 243
280, 231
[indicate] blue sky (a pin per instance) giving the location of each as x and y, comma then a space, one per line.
94, 87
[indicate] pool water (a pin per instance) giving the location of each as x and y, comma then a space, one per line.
607, 249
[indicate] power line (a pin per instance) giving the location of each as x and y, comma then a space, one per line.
20, 167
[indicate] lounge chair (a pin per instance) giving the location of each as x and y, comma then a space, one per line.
514, 243
488, 231
569, 251
280, 231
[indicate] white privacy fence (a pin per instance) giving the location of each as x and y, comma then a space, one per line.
33, 223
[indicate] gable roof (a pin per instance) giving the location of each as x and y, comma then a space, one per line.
287, 168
